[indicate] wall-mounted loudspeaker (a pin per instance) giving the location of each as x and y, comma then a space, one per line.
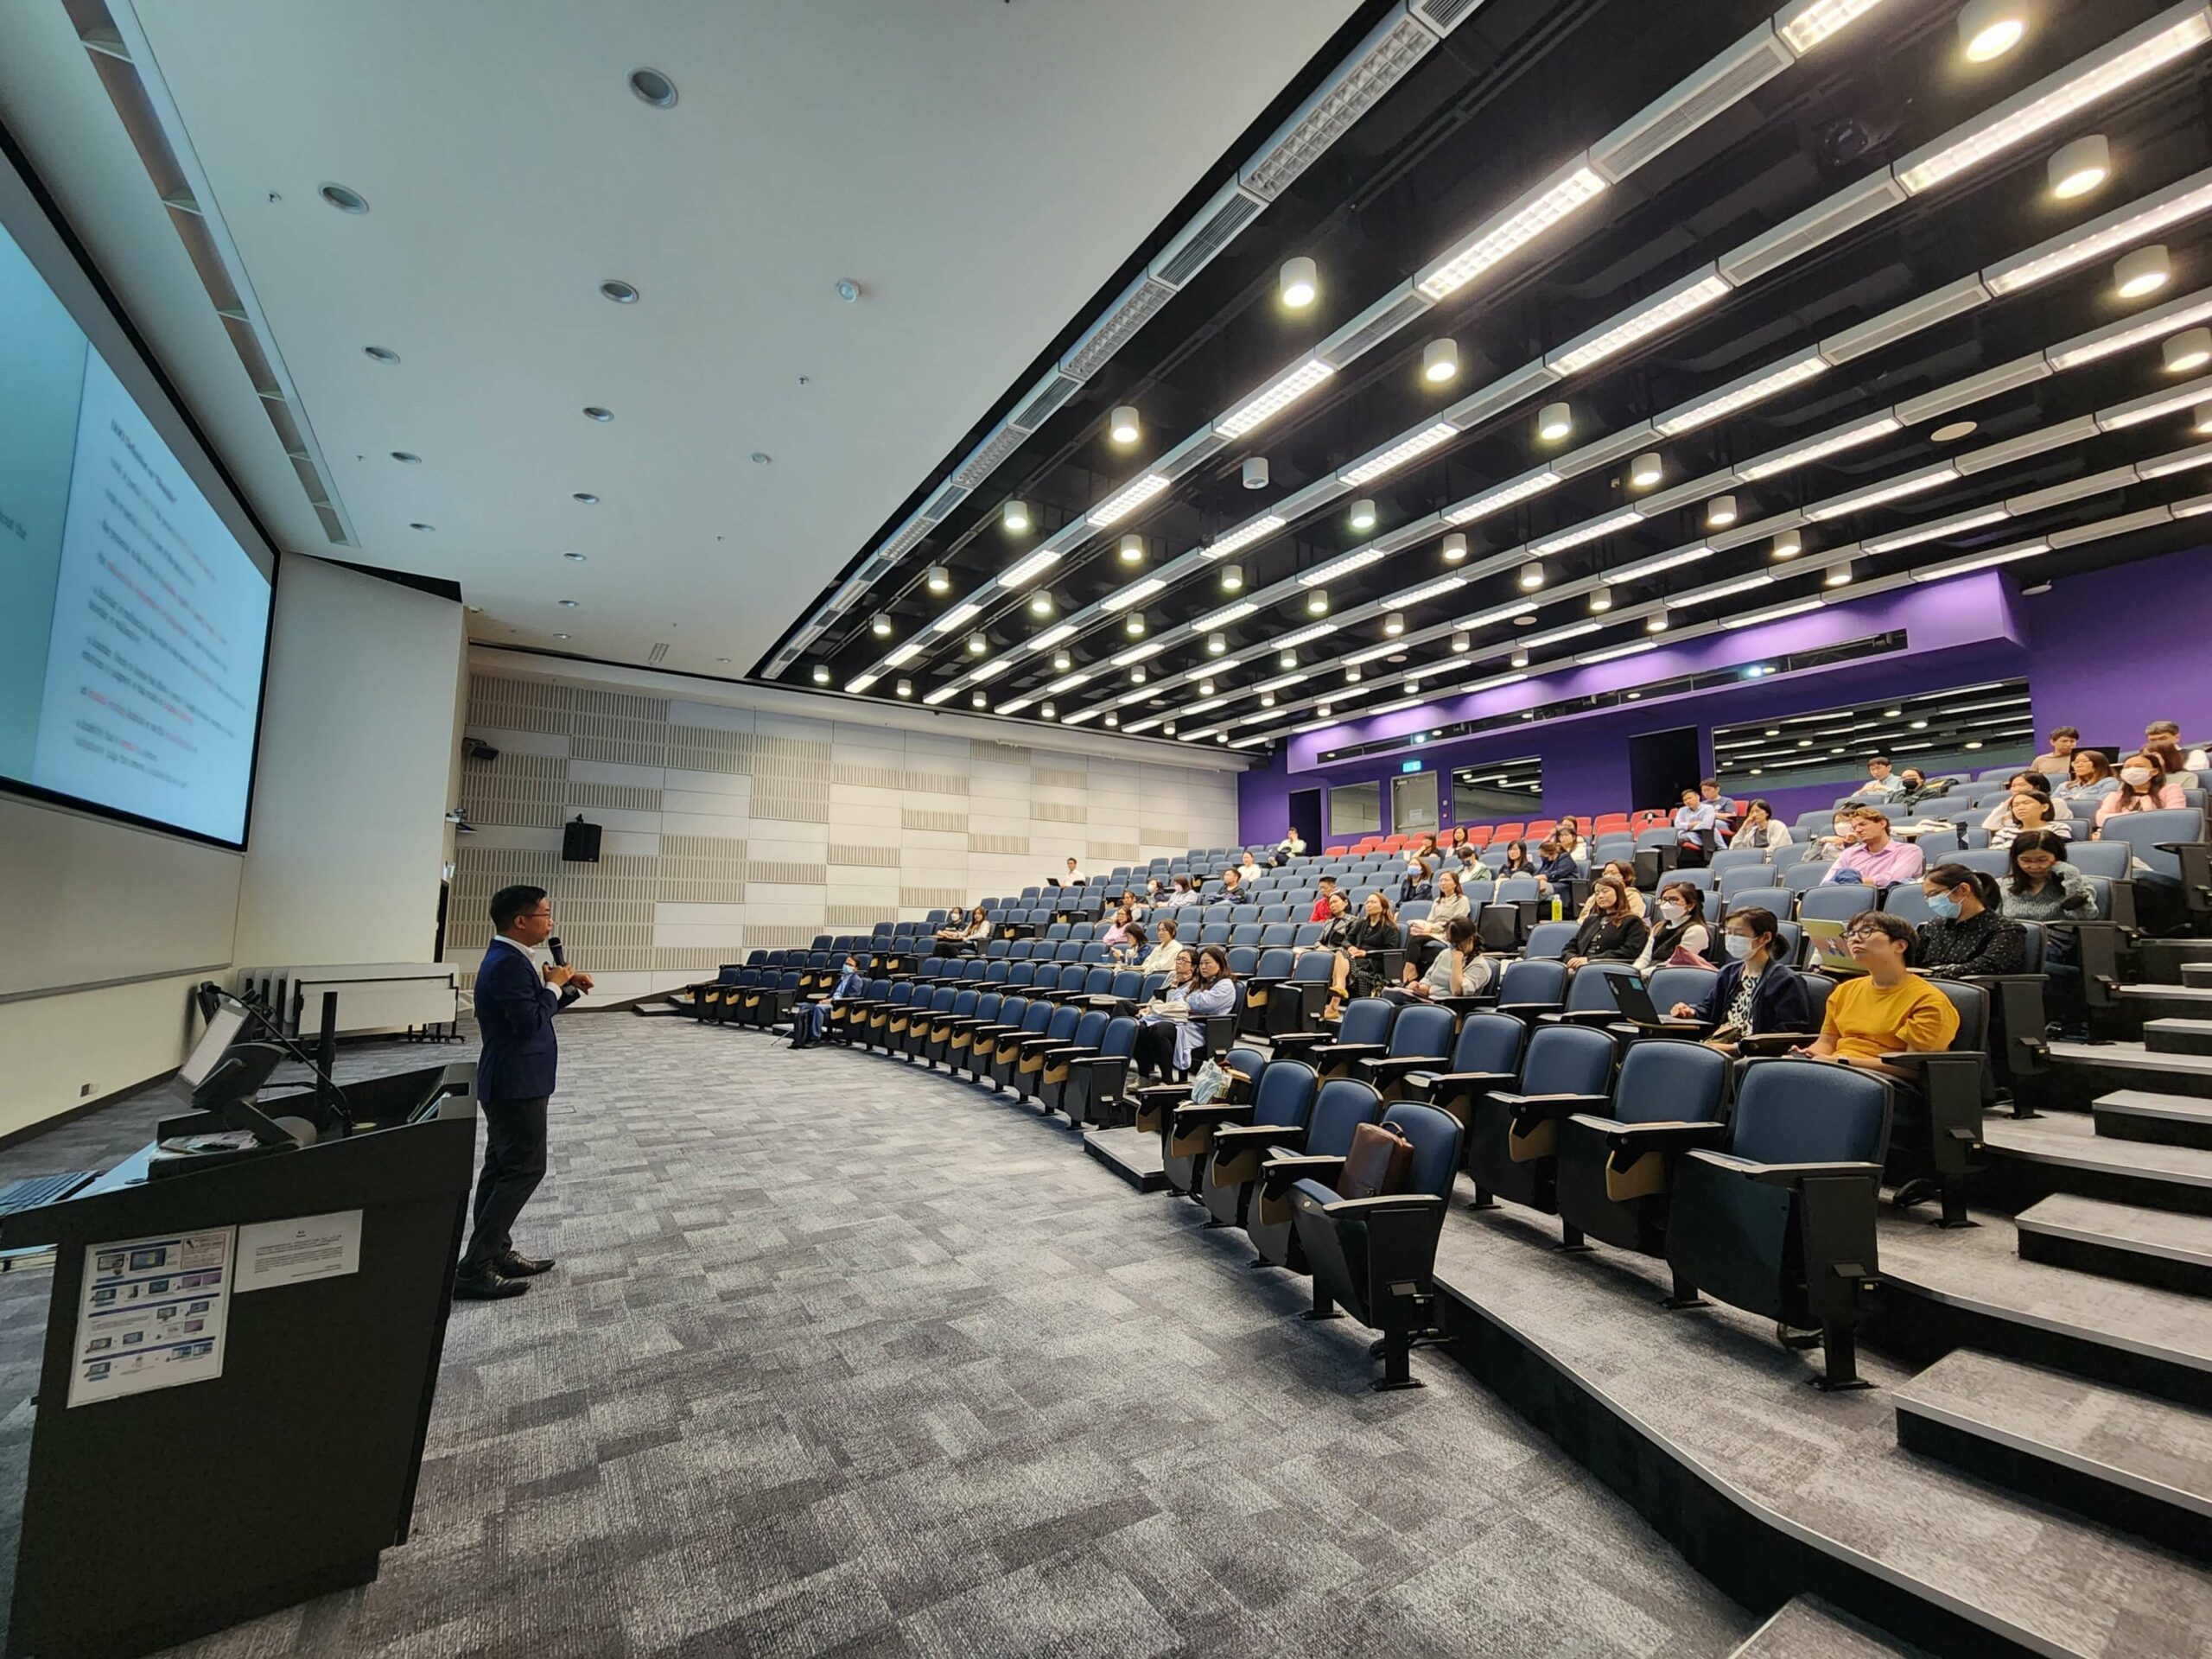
578, 841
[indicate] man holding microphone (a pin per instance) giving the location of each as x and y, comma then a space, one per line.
515, 1006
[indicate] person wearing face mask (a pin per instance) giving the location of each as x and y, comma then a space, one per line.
1880, 860
1843, 835
1609, 931
1918, 789
2143, 787
1418, 882
1681, 929
1755, 994
2162, 741
810, 1020
2029, 810
1967, 933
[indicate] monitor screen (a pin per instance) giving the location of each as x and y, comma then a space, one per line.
133, 623
222, 1028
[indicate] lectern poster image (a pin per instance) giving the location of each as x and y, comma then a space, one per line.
152, 1314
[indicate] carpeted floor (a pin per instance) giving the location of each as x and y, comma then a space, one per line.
841, 1359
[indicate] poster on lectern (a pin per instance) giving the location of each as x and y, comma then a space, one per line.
151, 1314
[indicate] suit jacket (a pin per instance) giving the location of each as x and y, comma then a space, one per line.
514, 1011
1780, 1003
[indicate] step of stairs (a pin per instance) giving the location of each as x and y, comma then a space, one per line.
2129, 1066
2119, 1241
2145, 1114
2122, 1459
2192, 996
2177, 1036
2166, 961
2196, 974
1805, 1627
2063, 1152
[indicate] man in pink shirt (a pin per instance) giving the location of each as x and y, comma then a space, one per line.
1880, 859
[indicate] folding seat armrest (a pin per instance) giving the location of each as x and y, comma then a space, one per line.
1597, 1019
1393, 1066
1093, 1058
1536, 1108
1773, 1043
1329, 1052
1280, 1173
1389, 1204
1634, 1139
1258, 1135
1460, 1007
1787, 1174
1528, 1013
1219, 1114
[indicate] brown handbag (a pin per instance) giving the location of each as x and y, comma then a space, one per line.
1376, 1163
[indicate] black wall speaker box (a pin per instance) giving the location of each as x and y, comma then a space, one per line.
580, 842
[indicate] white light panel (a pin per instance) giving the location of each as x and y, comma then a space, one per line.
1668, 307
1135, 593
1127, 499
1929, 478
1243, 535
2099, 237
899, 656
1051, 637
861, 682
1504, 495
1741, 394
1428, 591
1306, 636
1274, 398
1653, 566
1029, 567
1358, 559
2168, 319
1612, 652
1805, 26
1136, 654
1225, 615
1782, 461
1399, 453
1520, 225
958, 617
1576, 535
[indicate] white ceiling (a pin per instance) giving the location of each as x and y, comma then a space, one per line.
981, 167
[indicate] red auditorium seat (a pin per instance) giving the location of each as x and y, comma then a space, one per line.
1335, 852
1539, 827
1479, 834
1505, 832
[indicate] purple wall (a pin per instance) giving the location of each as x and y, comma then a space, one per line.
2111, 650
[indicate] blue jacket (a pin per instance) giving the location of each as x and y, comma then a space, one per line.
514, 1011
1780, 1003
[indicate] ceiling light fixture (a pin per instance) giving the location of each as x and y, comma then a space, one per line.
2190, 349
1225, 615
1531, 576
1048, 711
1455, 548
1657, 622
2201, 419
1126, 500
1062, 662
1243, 535
1520, 657
1394, 624
1462, 642
620, 292
977, 700
1755, 387
1439, 361
575, 558
822, 673
978, 645
1817, 20
594, 412
1928, 477
1298, 282
1317, 602
1122, 426
1232, 578
1839, 575
2079, 167
1040, 603
1361, 516
1133, 625
1720, 513
1051, 637
1820, 448
1952, 431
939, 580
344, 198
1957, 524
1014, 514
1029, 567
1494, 500
1576, 535
1601, 600
880, 626
1271, 400
1990, 29
1646, 470
1286, 658
905, 688
2141, 270
427, 528
1132, 549
899, 656
1519, 225
653, 87
585, 496
1133, 593
1670, 305
406, 458
1399, 453
1554, 423
1216, 644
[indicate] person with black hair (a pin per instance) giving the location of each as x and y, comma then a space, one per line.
1967, 932
1609, 930
2040, 886
516, 1001
1458, 970
1755, 993
1761, 830
1681, 926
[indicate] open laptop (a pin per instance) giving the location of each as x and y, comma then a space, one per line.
1632, 995
1826, 949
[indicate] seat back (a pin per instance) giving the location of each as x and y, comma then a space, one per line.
1341, 1107
1091, 1030
1065, 1019
2106, 858
1549, 940
1489, 1042
963, 1004
1038, 1016
1367, 1019
1529, 980
1806, 1111
1099, 982
1435, 1137
1592, 990
1567, 1060
1776, 899
1906, 899
1836, 903
1666, 1081
987, 1005
1669, 986
1421, 1031
1283, 1093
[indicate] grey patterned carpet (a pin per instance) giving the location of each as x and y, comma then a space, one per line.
841, 1359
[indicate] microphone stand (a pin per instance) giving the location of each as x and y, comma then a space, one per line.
274, 1030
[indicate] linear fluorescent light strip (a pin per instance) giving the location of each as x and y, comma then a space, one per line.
1142, 653
1574, 631
1982, 561
1705, 411
2152, 407
1773, 613
1588, 532
1819, 448
861, 682
1225, 615
2057, 96
958, 617
1821, 21
899, 656
1652, 566
1726, 590
1358, 559
1399, 453
1136, 593
1052, 635
1504, 496
1130, 728
1243, 535
1029, 567
2101, 235
1874, 495
1078, 717
1515, 229
2181, 461
942, 693
1612, 652
1068, 682
1374, 653
2167, 320
1658, 314
1016, 705
1429, 590
1281, 680
1127, 499
1306, 636
1273, 398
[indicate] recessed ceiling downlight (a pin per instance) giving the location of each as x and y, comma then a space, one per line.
653, 87
1952, 431
594, 412
344, 199
586, 497
620, 292
380, 353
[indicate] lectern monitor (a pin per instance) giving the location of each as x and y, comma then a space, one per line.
223, 1025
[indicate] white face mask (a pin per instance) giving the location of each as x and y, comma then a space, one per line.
1673, 910
2135, 776
1739, 946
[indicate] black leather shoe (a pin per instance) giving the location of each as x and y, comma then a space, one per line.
508, 1265
486, 1286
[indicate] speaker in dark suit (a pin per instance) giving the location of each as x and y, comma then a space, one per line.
516, 1001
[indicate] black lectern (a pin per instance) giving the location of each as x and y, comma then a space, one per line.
241, 1353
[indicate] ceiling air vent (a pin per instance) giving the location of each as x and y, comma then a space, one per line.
1200, 445
1500, 394
1445, 15
1374, 65
942, 504
1378, 322
2065, 434
1822, 222
1907, 318
1669, 119
984, 459
1045, 400
1112, 330
1214, 229
1989, 383
658, 653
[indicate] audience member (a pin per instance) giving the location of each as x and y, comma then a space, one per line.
1185, 894
1232, 882
2162, 741
1328, 890
2041, 886
1155, 892
1293, 845
2023, 783
1622, 871
1761, 830
2057, 761
1336, 932
1247, 867
1755, 993
1423, 937
1117, 930
1697, 830
1609, 930
1074, 877
1160, 959
1358, 972
1169, 1028
1967, 933
1842, 836
1472, 867
2088, 780
1554, 863
1918, 788
1459, 968
1888, 1009
964, 934
1880, 859
1682, 937
1418, 882
1516, 861
2143, 787
2028, 808
1880, 785
811, 1019
1570, 844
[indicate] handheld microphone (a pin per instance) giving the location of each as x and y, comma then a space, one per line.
559, 956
